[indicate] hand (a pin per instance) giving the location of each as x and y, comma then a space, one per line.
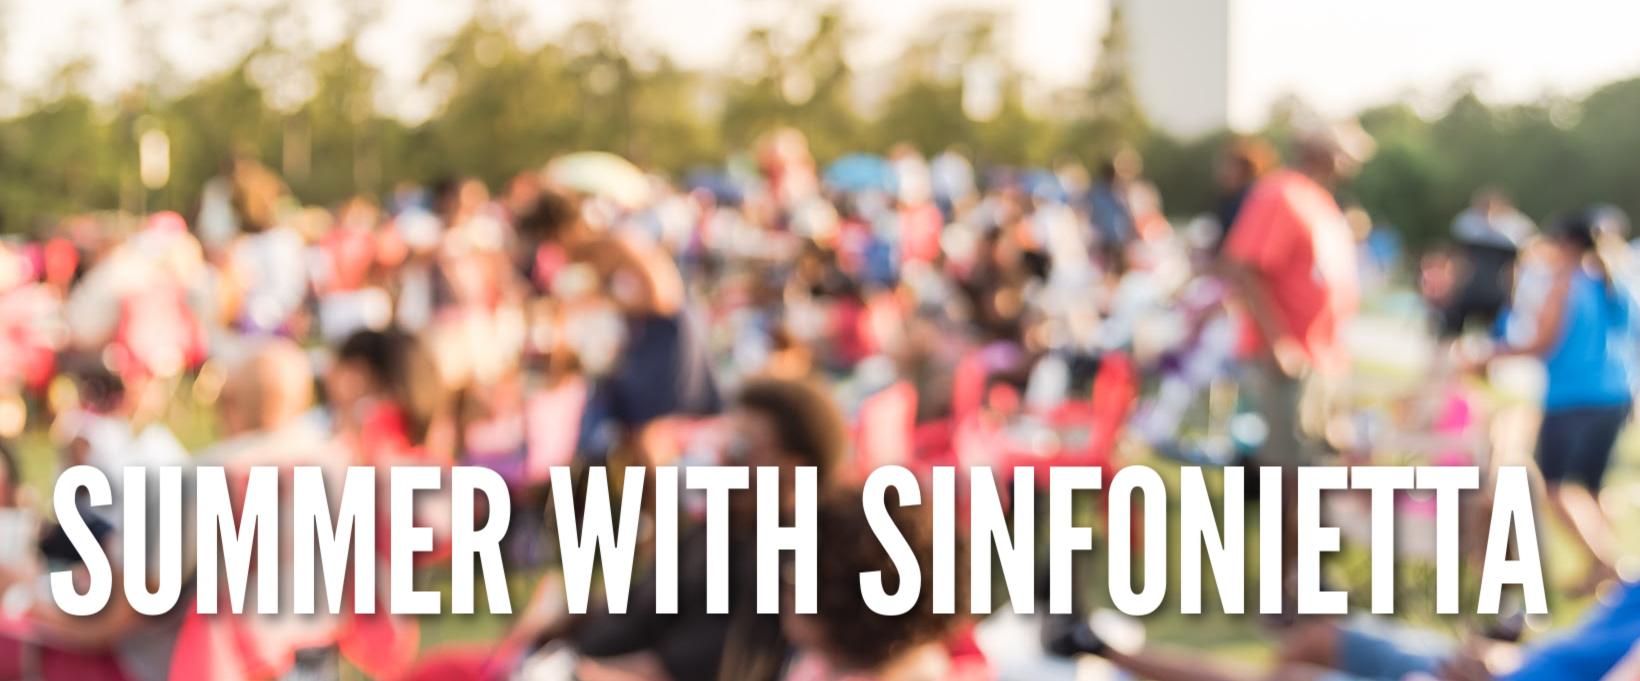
1471, 360
1290, 356
1464, 666
1469, 365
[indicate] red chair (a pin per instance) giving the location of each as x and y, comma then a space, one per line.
968, 385
885, 429
552, 427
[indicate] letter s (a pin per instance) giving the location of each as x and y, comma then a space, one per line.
91, 552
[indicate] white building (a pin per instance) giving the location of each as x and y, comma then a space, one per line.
1181, 52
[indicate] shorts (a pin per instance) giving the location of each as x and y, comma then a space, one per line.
1575, 444
1378, 650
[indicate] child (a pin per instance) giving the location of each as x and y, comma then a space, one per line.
386, 400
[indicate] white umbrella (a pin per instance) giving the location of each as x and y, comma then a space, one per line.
600, 173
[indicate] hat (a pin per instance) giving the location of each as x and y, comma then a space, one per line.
1343, 137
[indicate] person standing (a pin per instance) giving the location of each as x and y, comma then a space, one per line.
661, 367
1123, 206
1586, 336
776, 423
1488, 235
1290, 259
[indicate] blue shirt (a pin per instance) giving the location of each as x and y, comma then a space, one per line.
1593, 362
1108, 211
1592, 649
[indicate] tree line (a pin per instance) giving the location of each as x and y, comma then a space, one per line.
507, 108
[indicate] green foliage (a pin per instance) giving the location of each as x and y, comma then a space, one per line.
1401, 187
1550, 156
1111, 117
506, 108
809, 88
1183, 170
57, 158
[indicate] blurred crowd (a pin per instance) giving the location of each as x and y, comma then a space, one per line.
772, 312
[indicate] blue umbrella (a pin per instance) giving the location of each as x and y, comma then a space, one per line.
861, 172
722, 187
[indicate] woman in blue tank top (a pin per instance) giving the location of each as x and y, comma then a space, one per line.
1586, 338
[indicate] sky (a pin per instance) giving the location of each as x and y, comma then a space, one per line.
1337, 55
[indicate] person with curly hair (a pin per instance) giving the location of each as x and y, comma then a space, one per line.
845, 640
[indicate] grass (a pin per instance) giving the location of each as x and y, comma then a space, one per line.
1232, 637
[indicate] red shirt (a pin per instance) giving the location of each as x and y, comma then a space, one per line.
1292, 234
920, 227
351, 253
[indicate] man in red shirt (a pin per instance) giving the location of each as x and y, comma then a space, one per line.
1291, 259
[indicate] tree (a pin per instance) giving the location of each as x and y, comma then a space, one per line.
1110, 116
57, 158
927, 106
505, 108
1402, 186
810, 88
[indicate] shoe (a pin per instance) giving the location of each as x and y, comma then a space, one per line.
1070, 636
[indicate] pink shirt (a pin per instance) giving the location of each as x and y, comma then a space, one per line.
1293, 235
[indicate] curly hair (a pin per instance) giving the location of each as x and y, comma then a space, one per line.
550, 217
806, 420
857, 636
403, 367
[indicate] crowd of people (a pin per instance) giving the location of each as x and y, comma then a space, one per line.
879, 310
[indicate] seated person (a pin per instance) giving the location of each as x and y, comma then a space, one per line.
116, 644
1361, 650
844, 639
774, 423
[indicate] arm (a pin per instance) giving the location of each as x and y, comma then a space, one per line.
1262, 240
1286, 351
1550, 322
96, 632
1255, 297
1174, 665
1628, 668
644, 666
641, 276
544, 620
